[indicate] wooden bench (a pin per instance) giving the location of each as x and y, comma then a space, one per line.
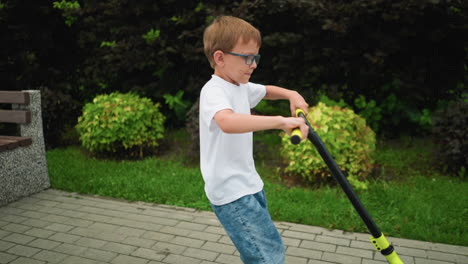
16, 117
23, 163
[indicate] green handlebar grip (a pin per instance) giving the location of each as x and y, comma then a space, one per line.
296, 134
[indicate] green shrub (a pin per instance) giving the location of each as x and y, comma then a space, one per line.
369, 110
345, 134
177, 105
330, 102
118, 122
451, 136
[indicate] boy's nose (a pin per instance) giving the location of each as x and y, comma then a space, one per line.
253, 65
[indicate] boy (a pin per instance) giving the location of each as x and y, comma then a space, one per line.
232, 184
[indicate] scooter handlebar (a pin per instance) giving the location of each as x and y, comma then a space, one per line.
296, 134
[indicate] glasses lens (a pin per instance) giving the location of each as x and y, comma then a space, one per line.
251, 58
257, 59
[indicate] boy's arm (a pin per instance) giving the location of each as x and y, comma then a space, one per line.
231, 122
295, 99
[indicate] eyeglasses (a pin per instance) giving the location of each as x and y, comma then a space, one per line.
249, 59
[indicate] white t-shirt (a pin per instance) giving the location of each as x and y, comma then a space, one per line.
226, 160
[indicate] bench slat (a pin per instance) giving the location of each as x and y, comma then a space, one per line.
6, 145
7, 142
14, 97
23, 141
15, 116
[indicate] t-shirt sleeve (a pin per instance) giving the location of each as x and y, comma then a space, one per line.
256, 93
212, 100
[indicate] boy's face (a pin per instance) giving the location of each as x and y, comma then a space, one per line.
234, 68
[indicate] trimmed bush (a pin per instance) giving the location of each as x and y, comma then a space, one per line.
117, 122
345, 134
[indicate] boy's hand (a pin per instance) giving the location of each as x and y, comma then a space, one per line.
290, 123
297, 101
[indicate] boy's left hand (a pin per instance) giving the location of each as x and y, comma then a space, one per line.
297, 101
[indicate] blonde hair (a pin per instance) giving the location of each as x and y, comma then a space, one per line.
224, 33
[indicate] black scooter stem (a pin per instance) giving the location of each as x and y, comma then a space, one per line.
378, 239
347, 188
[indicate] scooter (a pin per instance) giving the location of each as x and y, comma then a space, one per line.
378, 239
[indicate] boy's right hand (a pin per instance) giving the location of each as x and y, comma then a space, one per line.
290, 123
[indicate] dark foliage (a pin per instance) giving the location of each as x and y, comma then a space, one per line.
404, 54
451, 135
36, 47
38, 50
129, 61
59, 114
192, 127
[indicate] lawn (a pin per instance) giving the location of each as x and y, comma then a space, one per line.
407, 196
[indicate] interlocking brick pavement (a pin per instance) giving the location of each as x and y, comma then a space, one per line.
60, 227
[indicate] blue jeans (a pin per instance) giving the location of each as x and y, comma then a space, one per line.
249, 225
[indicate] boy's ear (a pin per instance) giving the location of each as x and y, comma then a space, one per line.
218, 57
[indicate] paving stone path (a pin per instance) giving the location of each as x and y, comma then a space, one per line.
60, 227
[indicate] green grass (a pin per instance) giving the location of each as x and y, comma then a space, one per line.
162, 181
407, 197
417, 209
